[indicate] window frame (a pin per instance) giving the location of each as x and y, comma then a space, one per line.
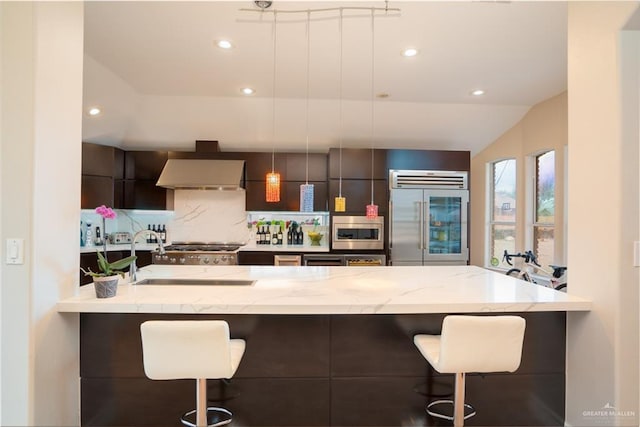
531, 193
490, 203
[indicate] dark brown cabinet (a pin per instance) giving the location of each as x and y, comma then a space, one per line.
255, 258
102, 172
289, 196
102, 160
356, 163
259, 164
358, 195
122, 179
96, 191
292, 168
297, 168
144, 165
262, 257
141, 171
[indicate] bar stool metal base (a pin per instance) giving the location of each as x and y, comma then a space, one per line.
447, 417
215, 417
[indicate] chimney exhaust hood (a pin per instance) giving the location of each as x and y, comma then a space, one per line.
202, 174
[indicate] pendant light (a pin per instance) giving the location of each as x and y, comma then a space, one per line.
272, 190
306, 190
372, 209
340, 203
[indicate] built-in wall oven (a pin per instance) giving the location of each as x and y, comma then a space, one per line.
357, 233
350, 260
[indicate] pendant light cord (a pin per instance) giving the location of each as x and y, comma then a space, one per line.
372, 89
308, 61
273, 106
340, 112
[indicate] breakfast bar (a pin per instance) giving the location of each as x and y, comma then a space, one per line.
336, 340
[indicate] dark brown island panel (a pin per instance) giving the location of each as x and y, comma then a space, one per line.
319, 370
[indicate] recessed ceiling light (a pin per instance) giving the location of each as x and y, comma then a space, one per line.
224, 44
409, 52
477, 92
248, 91
94, 111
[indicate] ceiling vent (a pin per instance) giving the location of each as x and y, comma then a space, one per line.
428, 179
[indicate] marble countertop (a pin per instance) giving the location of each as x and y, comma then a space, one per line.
327, 290
120, 247
248, 247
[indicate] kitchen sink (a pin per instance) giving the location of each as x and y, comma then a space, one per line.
197, 282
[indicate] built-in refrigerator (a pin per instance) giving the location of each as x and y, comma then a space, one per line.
428, 217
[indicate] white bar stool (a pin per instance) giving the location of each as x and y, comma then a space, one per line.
192, 349
480, 344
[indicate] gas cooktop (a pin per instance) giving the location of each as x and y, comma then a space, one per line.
198, 253
203, 247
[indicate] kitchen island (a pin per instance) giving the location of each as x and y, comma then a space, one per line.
325, 345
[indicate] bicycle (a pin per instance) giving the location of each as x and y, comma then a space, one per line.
557, 277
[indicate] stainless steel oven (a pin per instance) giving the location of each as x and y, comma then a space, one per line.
357, 233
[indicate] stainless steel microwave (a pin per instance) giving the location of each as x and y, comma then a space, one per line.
357, 232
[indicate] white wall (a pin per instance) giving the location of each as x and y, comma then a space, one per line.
17, 206
1, 246
544, 127
41, 135
602, 354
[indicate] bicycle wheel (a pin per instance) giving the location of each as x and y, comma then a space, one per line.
515, 272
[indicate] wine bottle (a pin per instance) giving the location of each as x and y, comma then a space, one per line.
149, 233
88, 235
280, 237
154, 238
289, 236
274, 236
98, 240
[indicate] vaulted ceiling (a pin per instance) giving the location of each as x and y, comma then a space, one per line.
161, 82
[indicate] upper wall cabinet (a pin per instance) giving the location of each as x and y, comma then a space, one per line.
102, 173
102, 160
144, 165
142, 170
292, 168
356, 163
122, 179
297, 167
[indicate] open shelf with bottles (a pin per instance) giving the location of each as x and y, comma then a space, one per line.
288, 228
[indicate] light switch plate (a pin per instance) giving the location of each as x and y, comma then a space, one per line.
636, 254
15, 251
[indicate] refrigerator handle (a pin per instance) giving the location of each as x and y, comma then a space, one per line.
421, 222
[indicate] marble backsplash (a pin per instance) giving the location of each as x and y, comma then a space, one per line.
198, 216
209, 216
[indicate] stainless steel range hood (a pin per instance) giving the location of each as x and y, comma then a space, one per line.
202, 174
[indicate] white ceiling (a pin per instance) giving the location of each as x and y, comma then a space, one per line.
154, 70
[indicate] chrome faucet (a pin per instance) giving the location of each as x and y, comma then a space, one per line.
133, 269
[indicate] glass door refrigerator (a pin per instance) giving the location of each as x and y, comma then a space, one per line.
428, 218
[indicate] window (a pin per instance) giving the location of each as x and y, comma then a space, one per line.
502, 215
544, 207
